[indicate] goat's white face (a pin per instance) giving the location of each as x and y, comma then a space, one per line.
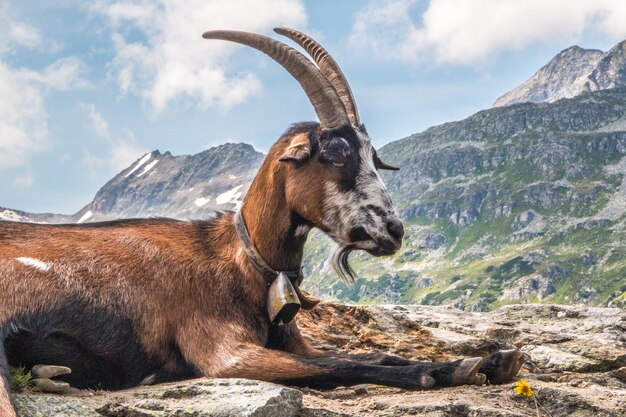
357, 209
333, 184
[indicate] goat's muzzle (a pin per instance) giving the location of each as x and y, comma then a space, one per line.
383, 244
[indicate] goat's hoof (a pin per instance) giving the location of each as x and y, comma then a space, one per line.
50, 386
49, 371
149, 380
517, 360
466, 371
427, 381
480, 379
502, 366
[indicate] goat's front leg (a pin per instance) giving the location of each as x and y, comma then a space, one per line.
499, 367
256, 362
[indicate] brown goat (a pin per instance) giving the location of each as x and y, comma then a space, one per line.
157, 300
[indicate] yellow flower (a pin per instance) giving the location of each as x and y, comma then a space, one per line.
522, 388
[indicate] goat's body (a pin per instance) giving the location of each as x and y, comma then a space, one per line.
105, 299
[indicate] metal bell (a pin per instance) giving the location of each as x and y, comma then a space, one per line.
282, 300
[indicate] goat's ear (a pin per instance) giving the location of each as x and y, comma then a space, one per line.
298, 150
380, 164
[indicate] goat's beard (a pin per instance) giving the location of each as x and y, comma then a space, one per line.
339, 260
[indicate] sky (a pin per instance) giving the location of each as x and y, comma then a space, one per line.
86, 88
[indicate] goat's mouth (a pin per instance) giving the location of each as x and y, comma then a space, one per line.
376, 246
384, 248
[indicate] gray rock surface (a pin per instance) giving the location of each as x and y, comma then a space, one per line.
575, 363
196, 398
183, 187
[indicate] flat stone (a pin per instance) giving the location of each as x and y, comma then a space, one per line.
196, 398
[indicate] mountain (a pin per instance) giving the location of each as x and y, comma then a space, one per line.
523, 203
21, 216
184, 187
572, 72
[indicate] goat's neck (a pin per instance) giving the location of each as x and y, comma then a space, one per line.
276, 231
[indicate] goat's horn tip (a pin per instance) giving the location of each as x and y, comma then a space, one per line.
209, 34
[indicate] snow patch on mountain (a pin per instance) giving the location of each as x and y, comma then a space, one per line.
138, 165
148, 167
199, 202
85, 216
10, 215
231, 197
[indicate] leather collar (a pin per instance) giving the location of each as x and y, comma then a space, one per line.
255, 257
307, 300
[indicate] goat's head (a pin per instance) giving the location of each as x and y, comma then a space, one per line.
332, 178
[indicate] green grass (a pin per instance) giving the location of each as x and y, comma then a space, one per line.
20, 380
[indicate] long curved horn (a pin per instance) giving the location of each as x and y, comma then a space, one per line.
321, 93
329, 68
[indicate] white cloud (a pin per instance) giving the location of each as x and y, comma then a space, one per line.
62, 74
98, 123
25, 180
16, 34
123, 154
23, 116
120, 153
172, 62
23, 128
469, 31
24, 34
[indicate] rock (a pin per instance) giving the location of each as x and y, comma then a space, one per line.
197, 398
424, 281
588, 258
40, 405
538, 286
525, 218
432, 241
556, 271
575, 363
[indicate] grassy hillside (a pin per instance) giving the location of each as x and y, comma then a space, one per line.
524, 203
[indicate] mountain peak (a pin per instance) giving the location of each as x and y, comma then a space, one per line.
571, 72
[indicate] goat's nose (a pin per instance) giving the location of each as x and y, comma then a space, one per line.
395, 229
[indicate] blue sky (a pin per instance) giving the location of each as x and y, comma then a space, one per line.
87, 89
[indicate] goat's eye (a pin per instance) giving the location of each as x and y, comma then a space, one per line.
336, 151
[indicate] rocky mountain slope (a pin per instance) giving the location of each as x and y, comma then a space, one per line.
185, 187
572, 72
575, 363
524, 203
21, 216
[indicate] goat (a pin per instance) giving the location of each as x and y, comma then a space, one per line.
154, 300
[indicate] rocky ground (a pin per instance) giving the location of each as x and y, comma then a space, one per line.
576, 365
